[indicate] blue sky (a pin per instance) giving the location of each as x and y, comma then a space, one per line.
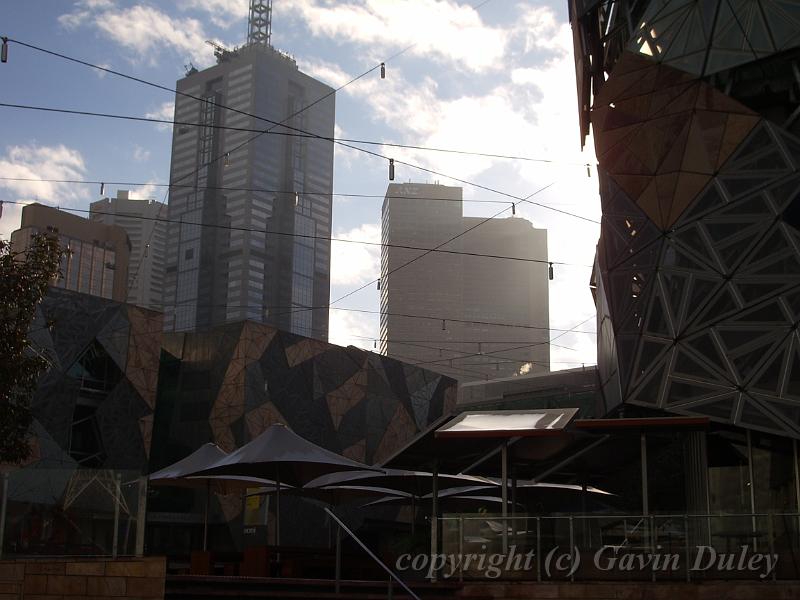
498, 79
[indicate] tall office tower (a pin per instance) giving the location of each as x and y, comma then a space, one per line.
455, 298
97, 261
693, 107
251, 205
145, 223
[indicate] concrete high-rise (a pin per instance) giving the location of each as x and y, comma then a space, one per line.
444, 309
145, 223
97, 261
253, 206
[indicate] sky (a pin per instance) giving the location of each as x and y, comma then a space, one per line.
493, 77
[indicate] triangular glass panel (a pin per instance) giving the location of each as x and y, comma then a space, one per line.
758, 140
722, 230
769, 314
720, 60
792, 384
674, 286
658, 320
650, 391
728, 32
626, 348
748, 361
785, 192
707, 201
786, 411
772, 245
757, 35
756, 207
699, 294
753, 414
738, 186
752, 291
784, 265
705, 346
649, 352
771, 160
693, 238
687, 365
735, 251
679, 259
770, 378
615, 246
783, 17
680, 40
790, 141
734, 339
792, 300
720, 409
723, 304
680, 391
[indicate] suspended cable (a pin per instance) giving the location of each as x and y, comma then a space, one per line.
254, 189
173, 123
154, 305
296, 129
562, 333
304, 236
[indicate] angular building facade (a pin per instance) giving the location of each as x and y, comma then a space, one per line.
91, 433
249, 212
439, 311
228, 384
694, 107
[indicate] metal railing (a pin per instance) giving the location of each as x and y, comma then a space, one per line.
666, 547
392, 575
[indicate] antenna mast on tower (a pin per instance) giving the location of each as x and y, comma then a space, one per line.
259, 28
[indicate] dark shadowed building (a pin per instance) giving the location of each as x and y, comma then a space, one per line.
694, 111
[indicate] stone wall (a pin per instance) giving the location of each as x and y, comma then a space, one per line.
74, 579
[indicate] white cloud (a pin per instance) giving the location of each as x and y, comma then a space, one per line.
33, 161
147, 191
439, 29
356, 264
140, 154
223, 13
142, 29
353, 329
165, 111
82, 12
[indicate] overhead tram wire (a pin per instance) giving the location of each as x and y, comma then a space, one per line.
562, 333
252, 189
299, 130
312, 237
87, 113
154, 305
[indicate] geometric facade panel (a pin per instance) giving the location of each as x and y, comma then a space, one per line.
707, 36
228, 384
662, 134
697, 280
94, 404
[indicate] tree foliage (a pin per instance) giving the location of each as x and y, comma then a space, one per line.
24, 278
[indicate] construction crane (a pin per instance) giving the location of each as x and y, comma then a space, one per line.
259, 23
219, 49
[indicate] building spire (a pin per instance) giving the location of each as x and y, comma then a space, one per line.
259, 24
